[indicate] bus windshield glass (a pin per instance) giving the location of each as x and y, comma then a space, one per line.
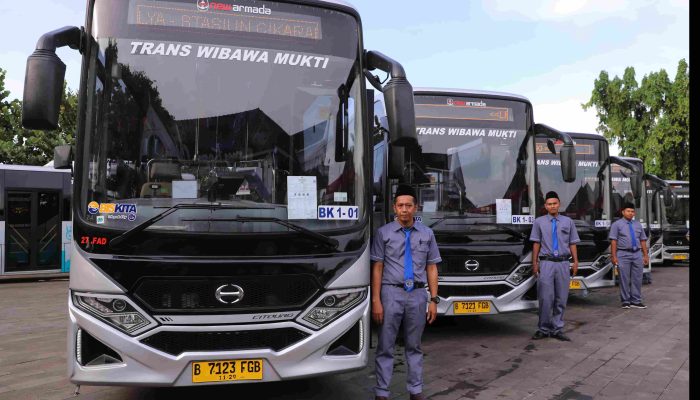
583, 199
473, 153
679, 212
254, 106
622, 192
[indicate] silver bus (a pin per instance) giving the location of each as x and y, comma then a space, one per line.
222, 188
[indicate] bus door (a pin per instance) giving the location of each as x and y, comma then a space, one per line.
32, 230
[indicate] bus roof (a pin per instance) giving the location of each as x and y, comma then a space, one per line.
674, 182
591, 136
12, 167
470, 92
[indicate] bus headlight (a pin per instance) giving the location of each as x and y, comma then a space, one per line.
332, 305
520, 274
117, 311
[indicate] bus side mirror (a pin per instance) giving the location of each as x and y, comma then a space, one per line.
398, 99
397, 161
43, 80
668, 197
63, 157
636, 184
567, 155
43, 90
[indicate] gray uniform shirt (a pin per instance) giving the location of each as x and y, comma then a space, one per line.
566, 234
620, 231
389, 244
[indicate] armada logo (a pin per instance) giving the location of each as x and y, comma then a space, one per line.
203, 5
453, 102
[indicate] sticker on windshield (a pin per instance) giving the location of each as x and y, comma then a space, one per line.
301, 197
602, 223
522, 219
340, 197
100, 219
503, 211
655, 226
338, 212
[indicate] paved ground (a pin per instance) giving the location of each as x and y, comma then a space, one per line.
615, 353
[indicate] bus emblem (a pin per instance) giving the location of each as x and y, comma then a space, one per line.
229, 294
471, 265
203, 5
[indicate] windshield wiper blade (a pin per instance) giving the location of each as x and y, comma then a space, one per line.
446, 217
505, 229
308, 232
145, 224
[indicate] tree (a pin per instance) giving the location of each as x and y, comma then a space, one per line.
649, 121
30, 147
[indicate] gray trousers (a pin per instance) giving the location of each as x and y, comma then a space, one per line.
409, 307
631, 269
552, 293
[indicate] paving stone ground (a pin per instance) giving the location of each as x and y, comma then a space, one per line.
615, 353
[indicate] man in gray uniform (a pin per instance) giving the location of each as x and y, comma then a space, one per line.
556, 236
405, 257
628, 244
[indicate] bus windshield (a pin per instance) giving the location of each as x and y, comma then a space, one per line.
679, 212
473, 152
583, 199
254, 105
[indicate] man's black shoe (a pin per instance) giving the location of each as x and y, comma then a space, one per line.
381, 398
638, 305
625, 305
539, 335
561, 336
417, 396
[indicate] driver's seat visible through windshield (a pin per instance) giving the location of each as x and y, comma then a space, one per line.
160, 177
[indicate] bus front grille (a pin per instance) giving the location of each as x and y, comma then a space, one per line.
176, 343
208, 295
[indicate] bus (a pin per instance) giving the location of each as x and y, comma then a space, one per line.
676, 223
657, 196
587, 201
35, 220
222, 187
475, 177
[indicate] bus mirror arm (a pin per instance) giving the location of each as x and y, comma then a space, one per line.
398, 99
567, 153
635, 178
44, 77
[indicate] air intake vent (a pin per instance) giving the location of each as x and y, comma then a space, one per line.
176, 343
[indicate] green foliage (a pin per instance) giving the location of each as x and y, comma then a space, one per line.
648, 120
29, 147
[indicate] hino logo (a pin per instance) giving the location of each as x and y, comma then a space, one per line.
471, 265
229, 294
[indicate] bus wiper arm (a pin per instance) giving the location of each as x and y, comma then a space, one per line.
445, 218
307, 232
114, 243
506, 229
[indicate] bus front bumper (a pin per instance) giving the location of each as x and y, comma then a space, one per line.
511, 301
143, 365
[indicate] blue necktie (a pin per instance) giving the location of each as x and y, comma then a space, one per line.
408, 262
634, 239
555, 240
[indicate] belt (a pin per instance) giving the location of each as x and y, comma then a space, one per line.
629, 250
415, 284
552, 258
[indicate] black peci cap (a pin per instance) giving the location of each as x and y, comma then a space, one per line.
551, 195
405, 190
628, 205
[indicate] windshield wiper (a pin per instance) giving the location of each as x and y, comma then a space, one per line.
145, 224
446, 217
505, 229
308, 232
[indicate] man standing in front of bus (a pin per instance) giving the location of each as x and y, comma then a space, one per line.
628, 245
556, 236
405, 256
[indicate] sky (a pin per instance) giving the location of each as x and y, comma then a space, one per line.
549, 51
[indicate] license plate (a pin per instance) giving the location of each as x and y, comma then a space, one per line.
575, 284
680, 256
227, 370
472, 307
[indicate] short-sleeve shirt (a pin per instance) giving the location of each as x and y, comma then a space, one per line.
620, 231
389, 245
566, 234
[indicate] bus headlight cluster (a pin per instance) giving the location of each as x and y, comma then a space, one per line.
117, 311
520, 275
601, 262
332, 305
